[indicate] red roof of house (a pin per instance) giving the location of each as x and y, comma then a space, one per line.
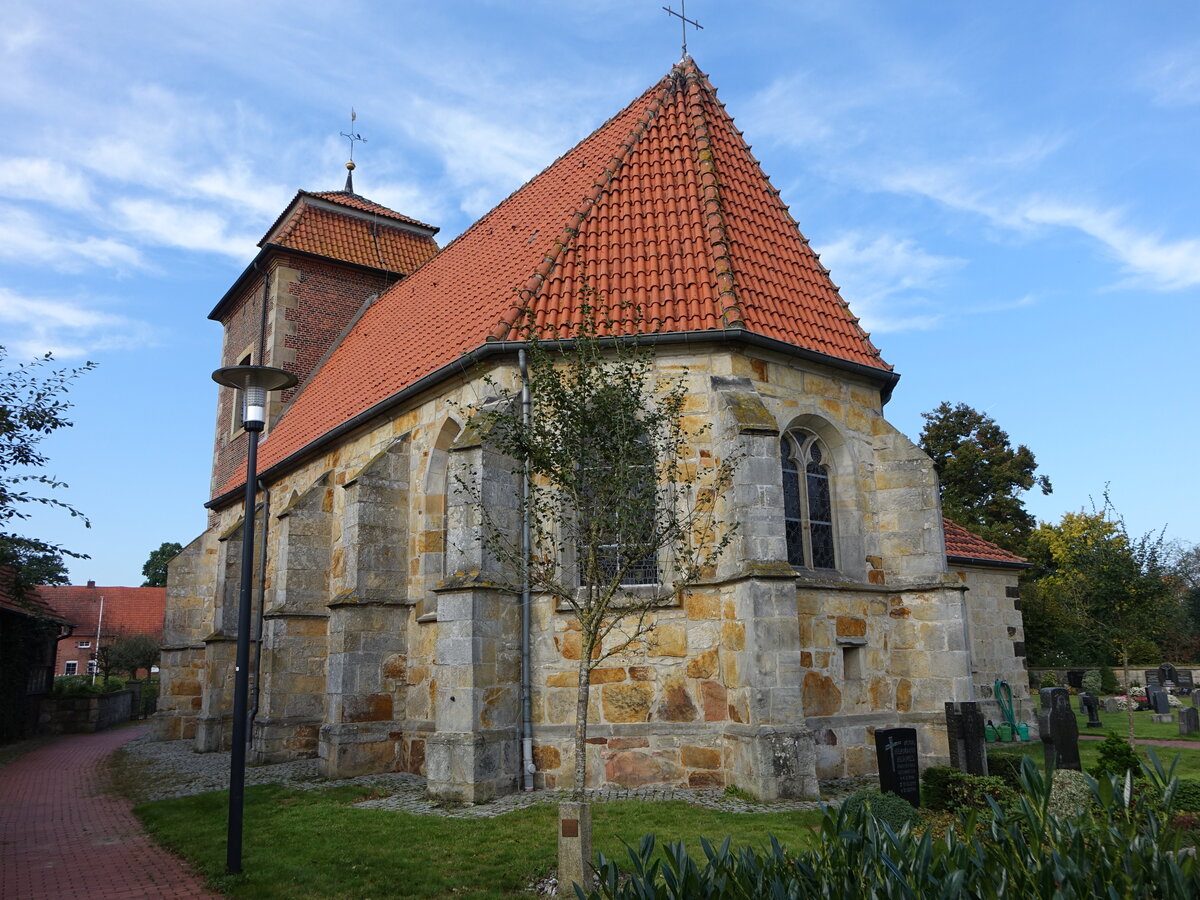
662, 209
357, 201
965, 546
127, 610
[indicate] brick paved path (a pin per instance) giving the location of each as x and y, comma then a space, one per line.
62, 835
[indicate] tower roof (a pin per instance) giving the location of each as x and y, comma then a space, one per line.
663, 210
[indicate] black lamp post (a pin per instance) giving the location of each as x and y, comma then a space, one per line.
254, 383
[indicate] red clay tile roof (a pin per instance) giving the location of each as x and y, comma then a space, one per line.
662, 206
127, 610
964, 546
355, 240
357, 201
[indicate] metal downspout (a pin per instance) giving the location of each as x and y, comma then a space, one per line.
262, 604
527, 766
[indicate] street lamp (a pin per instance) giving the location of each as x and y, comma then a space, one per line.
254, 383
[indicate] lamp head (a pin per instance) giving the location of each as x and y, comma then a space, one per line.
254, 382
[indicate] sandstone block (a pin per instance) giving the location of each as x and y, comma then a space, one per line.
821, 696
635, 768
703, 666
676, 704
627, 702
668, 639
700, 757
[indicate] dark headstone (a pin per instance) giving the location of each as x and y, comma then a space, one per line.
1189, 720
1151, 676
1183, 678
1112, 705
899, 772
1160, 702
1060, 731
1166, 672
1091, 706
965, 730
1195, 698
1075, 678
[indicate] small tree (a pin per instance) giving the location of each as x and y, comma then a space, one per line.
622, 508
133, 652
155, 568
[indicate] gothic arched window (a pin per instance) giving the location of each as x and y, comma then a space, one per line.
807, 501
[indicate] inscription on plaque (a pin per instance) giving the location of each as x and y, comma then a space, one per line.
899, 769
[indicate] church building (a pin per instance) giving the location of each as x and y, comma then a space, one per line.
845, 604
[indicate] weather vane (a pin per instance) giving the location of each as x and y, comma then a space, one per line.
352, 136
684, 22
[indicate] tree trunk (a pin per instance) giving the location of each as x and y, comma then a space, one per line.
1128, 694
581, 717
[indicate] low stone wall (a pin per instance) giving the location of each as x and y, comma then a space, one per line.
75, 715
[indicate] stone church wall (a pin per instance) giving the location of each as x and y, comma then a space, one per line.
388, 644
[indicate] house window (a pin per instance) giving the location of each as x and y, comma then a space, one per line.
618, 516
71, 667
807, 501
83, 645
93, 668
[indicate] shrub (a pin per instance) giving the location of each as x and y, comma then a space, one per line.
935, 786
1108, 681
1049, 680
1187, 795
1070, 793
1120, 851
1092, 682
1116, 757
973, 791
891, 809
1006, 765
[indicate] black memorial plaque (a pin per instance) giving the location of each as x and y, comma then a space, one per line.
899, 769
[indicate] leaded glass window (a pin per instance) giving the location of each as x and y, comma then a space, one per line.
807, 502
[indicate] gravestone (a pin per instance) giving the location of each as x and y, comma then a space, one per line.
1151, 676
1112, 705
1075, 678
1166, 672
1185, 681
1060, 731
1091, 706
1195, 698
965, 731
1160, 705
899, 772
1189, 720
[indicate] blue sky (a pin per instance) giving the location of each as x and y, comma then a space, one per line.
1006, 193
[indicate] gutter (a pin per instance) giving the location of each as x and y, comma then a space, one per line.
527, 766
886, 380
987, 563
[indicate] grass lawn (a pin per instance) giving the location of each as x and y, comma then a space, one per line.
312, 844
1143, 727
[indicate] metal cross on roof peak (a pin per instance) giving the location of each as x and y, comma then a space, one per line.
684, 22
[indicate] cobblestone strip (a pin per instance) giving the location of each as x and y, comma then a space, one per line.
63, 835
174, 769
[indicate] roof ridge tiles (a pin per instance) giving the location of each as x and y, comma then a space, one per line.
727, 297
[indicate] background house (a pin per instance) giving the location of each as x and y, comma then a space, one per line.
99, 616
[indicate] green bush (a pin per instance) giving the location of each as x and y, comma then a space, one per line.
891, 809
973, 792
1092, 681
1108, 681
1049, 680
1006, 765
1120, 851
1070, 793
1187, 795
1116, 757
935, 786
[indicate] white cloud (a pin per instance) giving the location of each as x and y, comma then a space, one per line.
884, 279
1151, 259
187, 227
44, 180
67, 328
30, 240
